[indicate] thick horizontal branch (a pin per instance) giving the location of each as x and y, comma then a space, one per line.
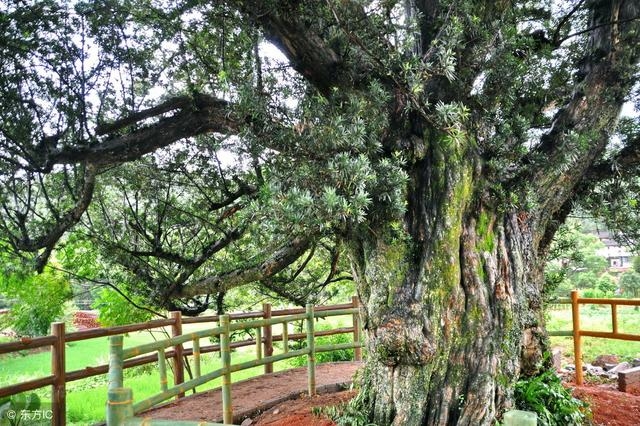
203, 114
280, 259
170, 105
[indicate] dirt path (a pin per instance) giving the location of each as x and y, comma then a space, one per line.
611, 407
263, 391
283, 400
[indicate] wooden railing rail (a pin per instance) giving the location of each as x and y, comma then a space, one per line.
577, 332
174, 351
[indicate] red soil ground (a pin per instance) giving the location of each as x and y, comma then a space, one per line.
610, 408
298, 412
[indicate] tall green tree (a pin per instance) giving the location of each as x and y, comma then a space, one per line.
437, 144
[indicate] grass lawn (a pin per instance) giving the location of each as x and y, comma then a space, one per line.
86, 399
597, 318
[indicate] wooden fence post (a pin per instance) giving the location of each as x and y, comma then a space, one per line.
225, 352
178, 365
268, 337
58, 369
357, 352
311, 356
577, 344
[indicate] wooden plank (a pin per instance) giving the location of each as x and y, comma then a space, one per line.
357, 353
26, 386
178, 364
577, 344
296, 311
626, 302
610, 335
628, 379
215, 318
268, 337
58, 394
113, 331
27, 343
104, 368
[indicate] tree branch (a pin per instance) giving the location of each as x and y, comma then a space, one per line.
625, 162
65, 221
204, 114
284, 25
282, 258
581, 130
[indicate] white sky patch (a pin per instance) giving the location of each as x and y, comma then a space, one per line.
629, 110
478, 84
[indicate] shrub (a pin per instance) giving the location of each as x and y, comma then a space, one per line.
331, 356
37, 301
545, 395
116, 310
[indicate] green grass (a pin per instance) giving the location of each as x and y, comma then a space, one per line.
86, 398
597, 318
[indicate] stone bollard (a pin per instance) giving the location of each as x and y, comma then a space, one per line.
520, 418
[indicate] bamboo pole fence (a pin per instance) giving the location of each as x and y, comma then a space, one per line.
578, 333
119, 355
172, 349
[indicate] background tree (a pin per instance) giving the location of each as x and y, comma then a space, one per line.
34, 300
630, 284
438, 144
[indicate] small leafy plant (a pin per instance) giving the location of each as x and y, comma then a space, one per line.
545, 395
346, 414
18, 409
331, 356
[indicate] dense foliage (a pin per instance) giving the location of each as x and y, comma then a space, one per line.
34, 300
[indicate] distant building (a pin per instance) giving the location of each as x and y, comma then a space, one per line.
618, 256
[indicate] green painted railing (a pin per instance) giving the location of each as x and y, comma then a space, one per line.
120, 406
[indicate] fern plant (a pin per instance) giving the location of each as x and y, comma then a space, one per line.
545, 395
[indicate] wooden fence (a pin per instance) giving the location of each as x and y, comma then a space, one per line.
577, 333
120, 407
263, 342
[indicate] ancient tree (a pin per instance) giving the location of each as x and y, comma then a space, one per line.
435, 145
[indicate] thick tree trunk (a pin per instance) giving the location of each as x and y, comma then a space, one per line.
452, 305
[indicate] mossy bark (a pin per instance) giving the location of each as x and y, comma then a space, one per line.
452, 303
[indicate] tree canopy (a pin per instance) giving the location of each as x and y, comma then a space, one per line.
438, 144
168, 134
